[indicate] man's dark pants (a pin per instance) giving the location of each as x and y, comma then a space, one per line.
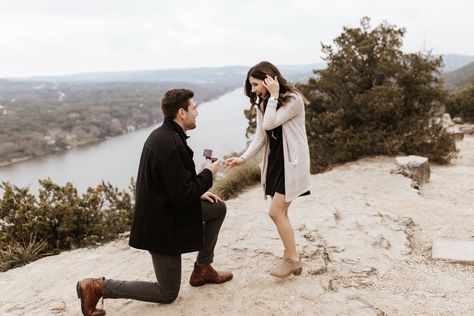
168, 267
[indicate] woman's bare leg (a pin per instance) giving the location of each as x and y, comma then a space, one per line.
279, 214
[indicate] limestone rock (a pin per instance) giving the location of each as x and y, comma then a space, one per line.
467, 129
457, 120
446, 120
456, 132
414, 167
455, 250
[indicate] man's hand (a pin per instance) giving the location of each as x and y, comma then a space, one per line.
213, 166
211, 197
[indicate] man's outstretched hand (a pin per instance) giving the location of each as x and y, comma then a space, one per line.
213, 166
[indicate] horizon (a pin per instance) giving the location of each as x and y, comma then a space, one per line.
148, 69
35, 76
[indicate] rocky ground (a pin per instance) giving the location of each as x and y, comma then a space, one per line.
365, 236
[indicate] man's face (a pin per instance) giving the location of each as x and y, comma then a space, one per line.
190, 115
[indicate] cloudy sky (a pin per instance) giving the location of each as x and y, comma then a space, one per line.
46, 37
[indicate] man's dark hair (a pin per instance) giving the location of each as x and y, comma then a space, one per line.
175, 99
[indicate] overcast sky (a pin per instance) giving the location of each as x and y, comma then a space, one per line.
46, 37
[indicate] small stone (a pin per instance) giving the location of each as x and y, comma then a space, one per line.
455, 250
457, 120
414, 167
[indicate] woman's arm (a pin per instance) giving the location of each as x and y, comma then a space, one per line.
274, 118
258, 140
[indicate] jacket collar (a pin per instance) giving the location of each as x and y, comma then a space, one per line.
171, 124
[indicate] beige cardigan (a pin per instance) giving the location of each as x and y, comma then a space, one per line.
295, 144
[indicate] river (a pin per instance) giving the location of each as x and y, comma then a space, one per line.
221, 126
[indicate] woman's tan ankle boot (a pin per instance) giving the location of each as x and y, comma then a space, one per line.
286, 267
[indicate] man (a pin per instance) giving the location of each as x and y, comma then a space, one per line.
174, 213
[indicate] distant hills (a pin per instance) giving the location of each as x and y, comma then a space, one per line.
458, 70
228, 75
459, 78
453, 62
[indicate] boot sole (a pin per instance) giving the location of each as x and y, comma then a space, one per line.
201, 283
79, 295
196, 284
296, 272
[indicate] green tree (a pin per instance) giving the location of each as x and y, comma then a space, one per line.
59, 219
373, 99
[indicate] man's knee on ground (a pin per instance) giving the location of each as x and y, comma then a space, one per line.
222, 209
170, 298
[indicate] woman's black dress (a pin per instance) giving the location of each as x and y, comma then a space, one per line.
275, 180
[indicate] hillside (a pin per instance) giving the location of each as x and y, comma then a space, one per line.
228, 75
459, 78
364, 234
455, 61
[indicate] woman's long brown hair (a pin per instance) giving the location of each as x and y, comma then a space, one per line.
260, 71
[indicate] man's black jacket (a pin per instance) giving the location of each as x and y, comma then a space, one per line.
167, 216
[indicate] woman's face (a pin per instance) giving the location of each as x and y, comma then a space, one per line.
257, 87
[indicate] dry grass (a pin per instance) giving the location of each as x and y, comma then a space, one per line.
237, 180
18, 254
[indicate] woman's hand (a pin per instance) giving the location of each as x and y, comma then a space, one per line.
233, 161
272, 85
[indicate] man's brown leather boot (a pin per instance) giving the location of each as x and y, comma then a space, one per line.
90, 292
205, 273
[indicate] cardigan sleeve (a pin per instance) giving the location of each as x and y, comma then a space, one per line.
258, 140
274, 118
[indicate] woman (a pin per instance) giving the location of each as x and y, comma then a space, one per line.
281, 133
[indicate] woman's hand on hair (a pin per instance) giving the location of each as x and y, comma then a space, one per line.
272, 85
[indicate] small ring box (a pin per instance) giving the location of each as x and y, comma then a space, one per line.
208, 155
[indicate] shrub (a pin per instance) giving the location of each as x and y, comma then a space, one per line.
373, 99
60, 218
